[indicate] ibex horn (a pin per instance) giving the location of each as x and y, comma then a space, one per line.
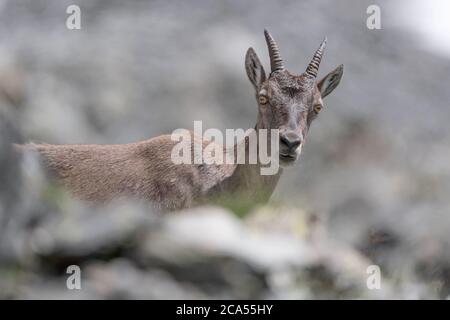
276, 63
313, 67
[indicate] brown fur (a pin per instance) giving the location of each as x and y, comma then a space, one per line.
100, 173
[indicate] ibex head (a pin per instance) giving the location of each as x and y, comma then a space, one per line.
289, 102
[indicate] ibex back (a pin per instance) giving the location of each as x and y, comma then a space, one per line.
286, 102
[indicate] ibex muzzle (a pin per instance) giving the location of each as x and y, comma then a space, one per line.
286, 102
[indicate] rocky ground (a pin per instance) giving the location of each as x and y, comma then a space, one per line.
126, 251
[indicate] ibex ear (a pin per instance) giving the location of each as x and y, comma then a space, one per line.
254, 68
330, 81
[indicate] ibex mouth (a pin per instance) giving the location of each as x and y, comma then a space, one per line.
288, 157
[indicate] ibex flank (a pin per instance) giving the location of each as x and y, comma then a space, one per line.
287, 102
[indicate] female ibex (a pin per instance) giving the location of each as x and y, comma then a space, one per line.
145, 170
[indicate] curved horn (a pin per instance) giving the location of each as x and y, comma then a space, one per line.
276, 63
313, 66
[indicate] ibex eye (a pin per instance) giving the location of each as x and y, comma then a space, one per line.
263, 99
317, 108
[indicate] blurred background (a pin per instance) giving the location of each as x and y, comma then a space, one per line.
372, 186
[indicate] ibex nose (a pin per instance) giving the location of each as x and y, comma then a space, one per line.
291, 140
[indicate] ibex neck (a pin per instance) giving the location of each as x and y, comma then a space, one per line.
253, 184
246, 182
261, 186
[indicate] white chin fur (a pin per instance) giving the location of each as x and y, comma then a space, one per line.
289, 163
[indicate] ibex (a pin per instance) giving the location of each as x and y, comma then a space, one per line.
144, 169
